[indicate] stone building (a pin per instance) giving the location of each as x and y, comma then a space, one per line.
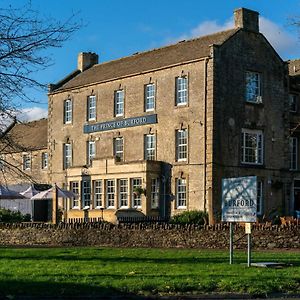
24, 154
154, 133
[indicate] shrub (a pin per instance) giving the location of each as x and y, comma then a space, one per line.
190, 217
8, 216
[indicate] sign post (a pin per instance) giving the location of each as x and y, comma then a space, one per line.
239, 202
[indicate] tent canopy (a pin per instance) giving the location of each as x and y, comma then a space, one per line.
48, 194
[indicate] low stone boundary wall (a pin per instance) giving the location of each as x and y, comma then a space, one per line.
147, 235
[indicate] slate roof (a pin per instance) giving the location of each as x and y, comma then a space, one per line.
183, 51
27, 136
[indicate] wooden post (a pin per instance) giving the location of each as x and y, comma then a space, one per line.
54, 205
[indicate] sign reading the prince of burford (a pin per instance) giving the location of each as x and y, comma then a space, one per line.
239, 199
117, 124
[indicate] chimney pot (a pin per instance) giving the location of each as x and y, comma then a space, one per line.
246, 19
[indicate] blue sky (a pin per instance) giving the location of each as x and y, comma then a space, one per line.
115, 28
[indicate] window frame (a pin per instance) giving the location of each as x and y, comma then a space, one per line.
182, 87
136, 199
149, 96
67, 159
91, 145
293, 102
119, 105
110, 190
150, 146
181, 148
68, 111
74, 187
98, 193
293, 153
118, 148
26, 161
179, 184
86, 193
91, 110
155, 190
259, 155
257, 96
123, 193
44, 160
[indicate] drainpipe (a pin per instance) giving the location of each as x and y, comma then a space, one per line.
205, 132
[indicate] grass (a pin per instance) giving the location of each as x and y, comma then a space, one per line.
105, 271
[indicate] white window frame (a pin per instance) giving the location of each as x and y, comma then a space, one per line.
68, 111
293, 153
258, 149
74, 187
110, 187
98, 193
119, 148
67, 155
44, 160
181, 193
91, 149
150, 146
136, 199
154, 193
181, 90
26, 161
293, 102
119, 103
260, 197
253, 87
92, 105
150, 97
123, 193
181, 144
86, 194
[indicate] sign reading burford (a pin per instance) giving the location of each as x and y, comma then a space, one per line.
123, 123
239, 199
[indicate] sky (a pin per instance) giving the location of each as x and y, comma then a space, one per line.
115, 28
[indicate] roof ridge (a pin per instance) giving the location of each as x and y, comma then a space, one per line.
166, 46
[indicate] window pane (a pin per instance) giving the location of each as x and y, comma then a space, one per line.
67, 156
293, 153
181, 193
154, 192
118, 148
181, 90
123, 193
136, 183
150, 146
252, 147
150, 97
67, 111
110, 193
181, 145
86, 193
253, 87
119, 103
98, 194
74, 186
91, 107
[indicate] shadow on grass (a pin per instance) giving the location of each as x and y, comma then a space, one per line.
13, 289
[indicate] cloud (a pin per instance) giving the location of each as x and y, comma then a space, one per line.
31, 114
284, 42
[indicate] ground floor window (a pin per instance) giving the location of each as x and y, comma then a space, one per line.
110, 193
86, 193
181, 193
74, 187
123, 193
98, 193
154, 193
136, 184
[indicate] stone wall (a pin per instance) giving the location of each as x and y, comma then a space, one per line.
147, 235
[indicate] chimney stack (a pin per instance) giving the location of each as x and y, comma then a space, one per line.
246, 19
86, 60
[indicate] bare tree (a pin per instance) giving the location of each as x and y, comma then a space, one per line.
24, 38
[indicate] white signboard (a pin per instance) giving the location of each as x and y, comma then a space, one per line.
239, 197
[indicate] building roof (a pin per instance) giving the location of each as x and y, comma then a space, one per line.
181, 52
27, 136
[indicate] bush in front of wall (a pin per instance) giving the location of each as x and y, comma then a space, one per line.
8, 216
190, 217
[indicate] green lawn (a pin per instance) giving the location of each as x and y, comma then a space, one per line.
106, 271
